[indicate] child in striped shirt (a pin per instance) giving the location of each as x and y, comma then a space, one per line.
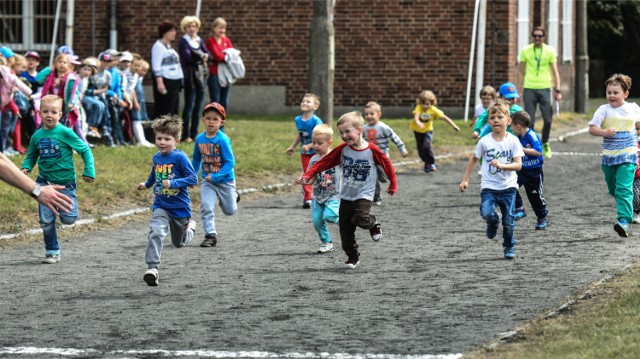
379, 133
617, 122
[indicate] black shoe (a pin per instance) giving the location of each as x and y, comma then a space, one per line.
210, 240
238, 197
376, 232
352, 262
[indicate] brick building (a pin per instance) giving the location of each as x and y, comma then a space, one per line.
384, 50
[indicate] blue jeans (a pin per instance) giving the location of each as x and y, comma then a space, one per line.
193, 98
216, 93
48, 218
505, 199
324, 212
95, 111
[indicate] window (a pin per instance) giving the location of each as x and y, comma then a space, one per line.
28, 24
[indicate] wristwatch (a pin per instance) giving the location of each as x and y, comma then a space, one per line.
36, 191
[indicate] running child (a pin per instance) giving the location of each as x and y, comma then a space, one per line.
508, 92
422, 126
170, 177
487, 95
617, 122
379, 133
501, 155
212, 150
531, 176
305, 124
359, 160
326, 187
51, 149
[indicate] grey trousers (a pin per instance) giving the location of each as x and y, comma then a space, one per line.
542, 97
159, 225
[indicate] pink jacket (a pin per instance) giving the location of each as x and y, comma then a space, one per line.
8, 84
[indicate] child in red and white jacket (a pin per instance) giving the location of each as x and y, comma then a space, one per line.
359, 160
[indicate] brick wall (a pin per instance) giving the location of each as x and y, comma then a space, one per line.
386, 50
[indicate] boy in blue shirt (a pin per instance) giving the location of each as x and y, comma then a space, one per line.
212, 150
531, 175
507, 91
171, 175
305, 124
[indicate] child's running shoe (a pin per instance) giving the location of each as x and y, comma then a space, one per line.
622, 228
325, 247
151, 277
376, 232
51, 259
306, 204
546, 150
541, 224
210, 240
352, 262
509, 253
519, 213
492, 229
636, 218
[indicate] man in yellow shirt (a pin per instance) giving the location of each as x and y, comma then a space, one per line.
538, 73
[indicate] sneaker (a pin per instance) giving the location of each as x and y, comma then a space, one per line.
377, 203
509, 253
210, 240
21, 150
191, 225
325, 247
151, 277
492, 229
622, 228
352, 262
541, 224
306, 204
546, 150
237, 197
376, 232
51, 259
519, 214
636, 218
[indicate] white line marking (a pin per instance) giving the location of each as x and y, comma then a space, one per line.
218, 354
577, 153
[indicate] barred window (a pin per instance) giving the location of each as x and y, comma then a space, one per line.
28, 24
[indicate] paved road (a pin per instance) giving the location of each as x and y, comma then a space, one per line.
433, 285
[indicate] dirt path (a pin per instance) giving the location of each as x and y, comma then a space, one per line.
433, 285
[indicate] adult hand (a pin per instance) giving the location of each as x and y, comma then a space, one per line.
558, 95
54, 200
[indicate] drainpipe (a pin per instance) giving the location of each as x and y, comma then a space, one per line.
55, 32
482, 36
113, 31
473, 49
68, 34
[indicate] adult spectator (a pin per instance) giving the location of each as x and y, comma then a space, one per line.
167, 72
538, 74
193, 58
45, 195
216, 44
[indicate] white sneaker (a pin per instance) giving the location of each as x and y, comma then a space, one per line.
325, 247
151, 277
51, 259
636, 218
191, 225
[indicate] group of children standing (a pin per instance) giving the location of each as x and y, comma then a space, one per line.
103, 96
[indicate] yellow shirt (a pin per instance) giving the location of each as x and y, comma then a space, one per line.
537, 71
426, 118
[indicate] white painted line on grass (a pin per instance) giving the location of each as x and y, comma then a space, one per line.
218, 354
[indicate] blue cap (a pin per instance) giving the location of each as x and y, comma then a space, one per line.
64, 49
508, 91
6, 52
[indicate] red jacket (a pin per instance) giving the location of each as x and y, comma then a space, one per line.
216, 51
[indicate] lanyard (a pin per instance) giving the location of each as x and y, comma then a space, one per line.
537, 58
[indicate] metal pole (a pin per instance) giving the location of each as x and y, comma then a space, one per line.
480, 56
321, 57
55, 32
198, 3
473, 49
68, 35
582, 59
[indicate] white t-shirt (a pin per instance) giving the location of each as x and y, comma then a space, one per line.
505, 151
479, 110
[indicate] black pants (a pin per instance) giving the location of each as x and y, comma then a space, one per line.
169, 103
423, 142
354, 214
531, 180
